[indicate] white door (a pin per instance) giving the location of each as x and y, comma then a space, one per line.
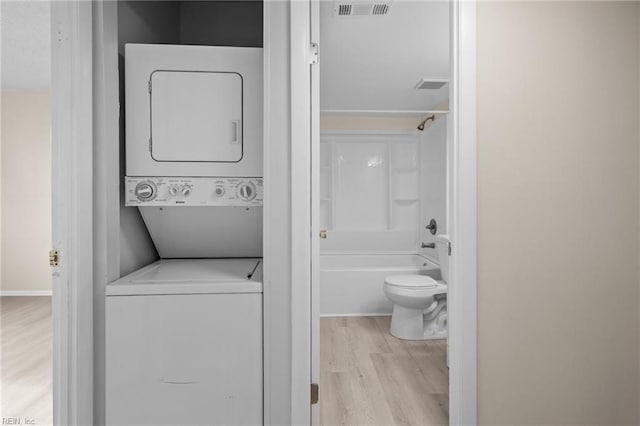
72, 152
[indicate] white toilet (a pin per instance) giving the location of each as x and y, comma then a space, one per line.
419, 301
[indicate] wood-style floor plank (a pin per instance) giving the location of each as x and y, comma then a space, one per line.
25, 358
368, 377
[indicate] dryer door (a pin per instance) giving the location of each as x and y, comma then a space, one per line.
196, 116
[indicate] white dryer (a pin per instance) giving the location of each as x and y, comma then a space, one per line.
193, 110
184, 344
194, 139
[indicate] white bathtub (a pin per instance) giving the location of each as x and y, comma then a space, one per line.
351, 284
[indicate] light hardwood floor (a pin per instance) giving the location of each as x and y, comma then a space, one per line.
368, 377
25, 358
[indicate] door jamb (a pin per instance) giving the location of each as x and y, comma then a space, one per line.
462, 213
300, 44
72, 219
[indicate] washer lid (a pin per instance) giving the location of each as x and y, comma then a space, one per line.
192, 276
421, 281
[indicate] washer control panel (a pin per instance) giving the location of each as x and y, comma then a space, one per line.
193, 191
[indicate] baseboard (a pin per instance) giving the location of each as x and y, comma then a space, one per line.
355, 315
25, 293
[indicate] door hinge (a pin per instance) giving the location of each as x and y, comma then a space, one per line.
313, 53
149, 86
54, 258
315, 390
323, 235
449, 247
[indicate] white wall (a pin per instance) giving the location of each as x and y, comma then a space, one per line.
433, 197
26, 191
558, 219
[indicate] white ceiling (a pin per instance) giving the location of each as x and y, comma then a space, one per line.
374, 62
25, 44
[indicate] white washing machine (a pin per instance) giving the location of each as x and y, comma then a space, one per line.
184, 344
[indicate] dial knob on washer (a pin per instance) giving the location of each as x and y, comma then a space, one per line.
185, 190
246, 191
219, 191
145, 191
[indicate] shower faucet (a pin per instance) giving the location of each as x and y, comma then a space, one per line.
430, 245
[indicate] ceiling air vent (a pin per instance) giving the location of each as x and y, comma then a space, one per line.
344, 9
430, 84
380, 9
361, 8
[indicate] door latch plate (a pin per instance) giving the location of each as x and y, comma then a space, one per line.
54, 258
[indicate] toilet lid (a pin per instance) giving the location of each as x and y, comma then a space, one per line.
411, 281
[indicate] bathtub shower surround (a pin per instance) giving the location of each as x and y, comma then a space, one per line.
369, 201
377, 192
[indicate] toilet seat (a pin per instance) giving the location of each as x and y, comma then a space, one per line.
411, 281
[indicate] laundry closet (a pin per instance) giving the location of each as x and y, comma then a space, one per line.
184, 323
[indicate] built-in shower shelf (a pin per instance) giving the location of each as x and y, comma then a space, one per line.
405, 200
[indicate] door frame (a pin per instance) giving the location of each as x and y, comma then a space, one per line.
72, 212
462, 212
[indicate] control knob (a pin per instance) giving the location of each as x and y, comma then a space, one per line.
219, 191
185, 190
246, 191
145, 191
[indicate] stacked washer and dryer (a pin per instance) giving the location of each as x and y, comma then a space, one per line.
184, 334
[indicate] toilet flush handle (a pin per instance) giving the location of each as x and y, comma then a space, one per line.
430, 245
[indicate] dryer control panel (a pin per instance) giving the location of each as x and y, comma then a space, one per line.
193, 191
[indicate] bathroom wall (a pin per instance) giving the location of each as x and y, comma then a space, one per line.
558, 219
433, 190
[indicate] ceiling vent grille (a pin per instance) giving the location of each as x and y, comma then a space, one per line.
344, 9
430, 84
361, 9
380, 9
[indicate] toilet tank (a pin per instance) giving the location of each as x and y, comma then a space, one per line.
442, 246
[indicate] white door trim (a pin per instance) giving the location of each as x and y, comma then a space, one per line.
72, 149
300, 212
462, 213
315, 206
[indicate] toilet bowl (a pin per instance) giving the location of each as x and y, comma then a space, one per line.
419, 301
